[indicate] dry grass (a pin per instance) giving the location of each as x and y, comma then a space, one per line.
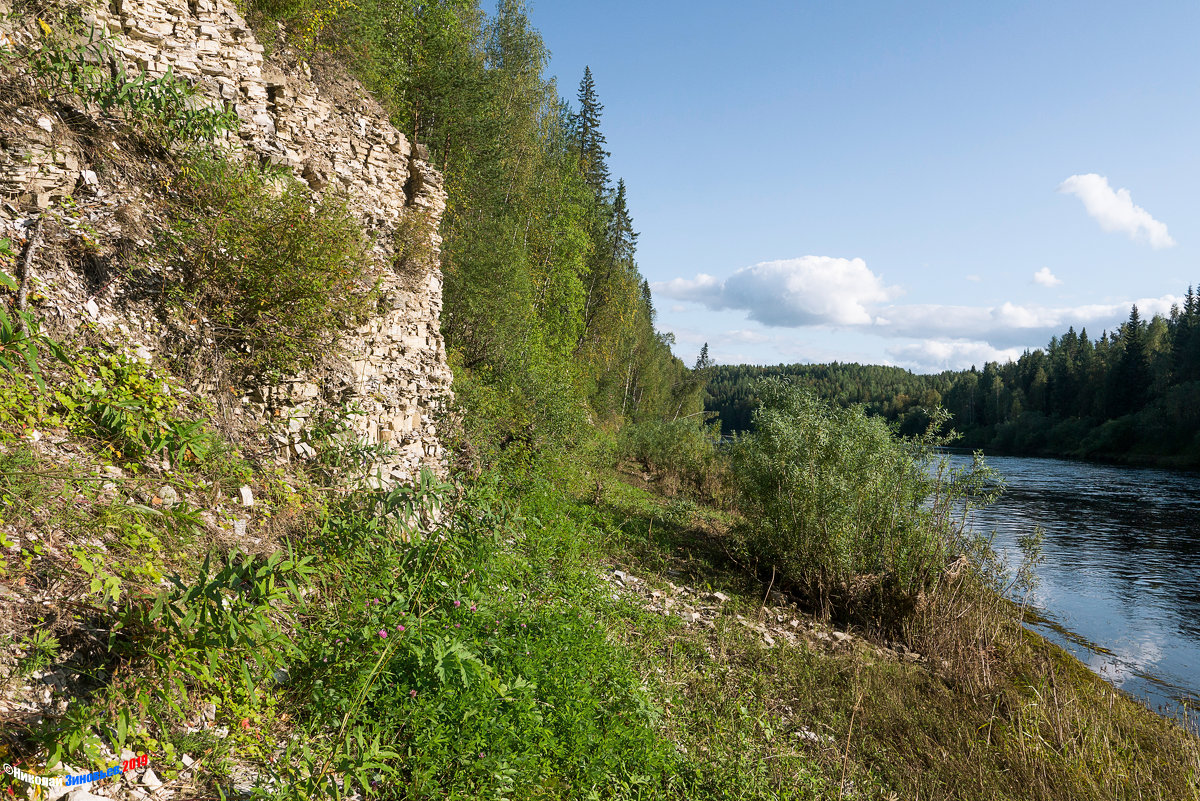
992, 712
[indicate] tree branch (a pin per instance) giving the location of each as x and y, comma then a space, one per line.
35, 240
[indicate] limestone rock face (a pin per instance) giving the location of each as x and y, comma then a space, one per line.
329, 133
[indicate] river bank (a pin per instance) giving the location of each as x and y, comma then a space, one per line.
1026, 720
548, 634
1120, 569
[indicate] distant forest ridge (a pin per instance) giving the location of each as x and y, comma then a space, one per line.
1132, 395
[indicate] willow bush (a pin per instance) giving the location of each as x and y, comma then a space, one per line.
845, 512
277, 273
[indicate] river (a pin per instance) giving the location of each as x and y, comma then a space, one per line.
1120, 583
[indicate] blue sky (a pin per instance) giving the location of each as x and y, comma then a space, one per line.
924, 184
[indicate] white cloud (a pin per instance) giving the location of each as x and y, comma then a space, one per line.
817, 291
1046, 278
974, 277
678, 307
934, 355
811, 290
1115, 211
1009, 325
746, 336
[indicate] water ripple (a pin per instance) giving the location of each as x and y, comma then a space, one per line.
1120, 583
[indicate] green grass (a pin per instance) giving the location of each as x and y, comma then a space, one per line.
509, 669
1041, 726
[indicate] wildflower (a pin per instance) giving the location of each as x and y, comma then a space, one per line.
472, 607
522, 625
399, 628
412, 693
457, 625
457, 604
383, 633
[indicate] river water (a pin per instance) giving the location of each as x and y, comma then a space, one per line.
1120, 583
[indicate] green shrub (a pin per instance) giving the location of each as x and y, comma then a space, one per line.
682, 453
69, 61
119, 401
847, 513
276, 273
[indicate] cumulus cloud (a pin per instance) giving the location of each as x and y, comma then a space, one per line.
818, 291
1115, 210
933, 356
811, 290
1046, 278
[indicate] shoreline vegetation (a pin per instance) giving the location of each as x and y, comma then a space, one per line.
1129, 397
597, 604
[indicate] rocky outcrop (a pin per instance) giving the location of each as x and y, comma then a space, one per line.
329, 133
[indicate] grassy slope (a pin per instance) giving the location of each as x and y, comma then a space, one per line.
1044, 727
510, 669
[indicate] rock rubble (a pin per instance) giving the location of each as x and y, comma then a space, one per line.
313, 121
779, 623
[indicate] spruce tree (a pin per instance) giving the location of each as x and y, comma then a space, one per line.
589, 139
1131, 378
622, 238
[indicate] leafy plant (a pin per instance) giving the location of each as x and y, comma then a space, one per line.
276, 274
41, 648
132, 411
164, 107
846, 512
19, 344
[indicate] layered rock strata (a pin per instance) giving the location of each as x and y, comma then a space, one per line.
331, 135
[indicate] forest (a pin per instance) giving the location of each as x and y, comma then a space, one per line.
548, 322
1131, 395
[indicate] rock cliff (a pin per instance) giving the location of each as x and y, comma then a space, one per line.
315, 122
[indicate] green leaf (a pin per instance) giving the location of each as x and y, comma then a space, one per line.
249, 684
122, 729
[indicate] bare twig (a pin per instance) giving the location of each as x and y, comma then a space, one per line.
35, 239
849, 734
770, 587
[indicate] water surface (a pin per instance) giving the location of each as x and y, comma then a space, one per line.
1120, 584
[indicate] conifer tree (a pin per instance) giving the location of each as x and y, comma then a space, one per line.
589, 139
1131, 378
621, 236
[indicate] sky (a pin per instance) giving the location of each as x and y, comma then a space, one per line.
929, 185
